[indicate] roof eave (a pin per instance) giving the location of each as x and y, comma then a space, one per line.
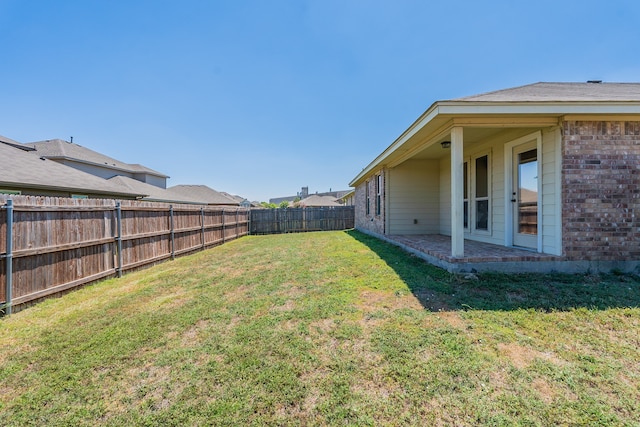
68, 189
521, 108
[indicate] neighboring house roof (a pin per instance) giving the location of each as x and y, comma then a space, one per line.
348, 194
318, 201
13, 143
337, 194
21, 169
543, 103
151, 192
204, 194
59, 149
235, 197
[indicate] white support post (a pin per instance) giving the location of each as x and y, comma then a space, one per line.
457, 193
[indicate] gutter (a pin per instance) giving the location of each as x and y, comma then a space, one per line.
69, 189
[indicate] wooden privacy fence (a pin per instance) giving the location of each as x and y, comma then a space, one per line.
49, 245
295, 220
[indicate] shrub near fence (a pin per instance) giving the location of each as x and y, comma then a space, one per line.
49, 245
296, 220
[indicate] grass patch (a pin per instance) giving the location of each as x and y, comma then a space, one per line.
326, 328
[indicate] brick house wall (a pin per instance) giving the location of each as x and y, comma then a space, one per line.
601, 190
372, 221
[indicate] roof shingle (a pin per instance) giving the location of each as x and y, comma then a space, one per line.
561, 92
22, 169
59, 149
204, 194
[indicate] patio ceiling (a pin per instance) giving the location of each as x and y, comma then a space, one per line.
471, 136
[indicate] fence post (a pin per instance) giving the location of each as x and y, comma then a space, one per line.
119, 238
223, 226
202, 220
9, 258
172, 235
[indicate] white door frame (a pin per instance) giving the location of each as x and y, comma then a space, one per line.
508, 186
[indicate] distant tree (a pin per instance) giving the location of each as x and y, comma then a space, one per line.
283, 204
268, 205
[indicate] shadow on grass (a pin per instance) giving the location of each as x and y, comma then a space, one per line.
437, 289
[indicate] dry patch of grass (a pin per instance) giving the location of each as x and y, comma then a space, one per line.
522, 357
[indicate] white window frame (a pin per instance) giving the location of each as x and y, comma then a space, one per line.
367, 197
472, 195
508, 188
467, 189
378, 188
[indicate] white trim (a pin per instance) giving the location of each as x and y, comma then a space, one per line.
473, 211
467, 169
457, 160
508, 186
554, 108
386, 182
558, 182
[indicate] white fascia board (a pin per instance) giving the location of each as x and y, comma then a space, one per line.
552, 108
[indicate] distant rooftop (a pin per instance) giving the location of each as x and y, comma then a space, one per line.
204, 194
151, 192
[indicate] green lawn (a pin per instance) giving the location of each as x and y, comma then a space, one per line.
332, 328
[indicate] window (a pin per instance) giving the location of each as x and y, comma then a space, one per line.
465, 180
366, 191
481, 202
378, 194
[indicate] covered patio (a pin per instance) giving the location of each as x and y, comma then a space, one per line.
478, 256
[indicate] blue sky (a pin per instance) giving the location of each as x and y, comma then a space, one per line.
262, 97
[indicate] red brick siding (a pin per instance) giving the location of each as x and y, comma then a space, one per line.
372, 222
601, 190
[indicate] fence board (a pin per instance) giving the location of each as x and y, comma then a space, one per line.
62, 243
295, 220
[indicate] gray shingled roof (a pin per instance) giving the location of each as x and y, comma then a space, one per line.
316, 200
235, 197
204, 194
151, 192
59, 149
21, 169
9, 141
561, 92
537, 99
